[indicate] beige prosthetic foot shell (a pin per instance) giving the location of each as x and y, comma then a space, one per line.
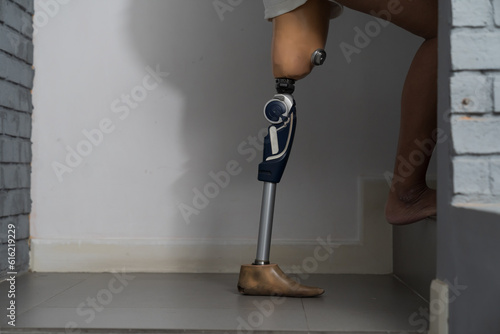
270, 280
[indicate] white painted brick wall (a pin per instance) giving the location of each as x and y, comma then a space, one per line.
475, 49
471, 13
471, 175
495, 176
496, 8
476, 135
475, 100
471, 93
496, 93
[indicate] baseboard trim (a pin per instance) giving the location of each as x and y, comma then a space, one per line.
132, 255
372, 255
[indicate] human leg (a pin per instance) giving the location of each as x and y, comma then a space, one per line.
410, 199
296, 35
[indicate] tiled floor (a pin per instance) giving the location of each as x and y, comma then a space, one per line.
207, 303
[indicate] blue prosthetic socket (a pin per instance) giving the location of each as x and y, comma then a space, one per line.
281, 113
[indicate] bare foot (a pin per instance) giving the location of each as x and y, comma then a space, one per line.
410, 206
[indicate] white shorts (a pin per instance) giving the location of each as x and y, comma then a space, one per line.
275, 8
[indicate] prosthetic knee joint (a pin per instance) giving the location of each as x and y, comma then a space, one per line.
280, 111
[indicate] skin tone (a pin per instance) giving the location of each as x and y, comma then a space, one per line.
297, 34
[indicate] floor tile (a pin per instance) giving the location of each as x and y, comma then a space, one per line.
172, 291
159, 318
360, 302
34, 288
351, 304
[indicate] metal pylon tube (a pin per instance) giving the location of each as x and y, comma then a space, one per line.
266, 223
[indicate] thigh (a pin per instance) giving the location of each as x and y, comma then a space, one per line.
419, 17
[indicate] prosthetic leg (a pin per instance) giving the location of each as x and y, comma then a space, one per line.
262, 277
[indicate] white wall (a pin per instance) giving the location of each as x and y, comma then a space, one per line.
127, 191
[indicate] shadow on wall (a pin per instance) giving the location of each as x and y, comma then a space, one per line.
219, 67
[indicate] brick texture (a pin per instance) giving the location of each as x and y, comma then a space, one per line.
16, 44
14, 16
13, 96
15, 176
471, 93
475, 49
22, 256
496, 93
15, 124
16, 71
471, 175
476, 135
16, 82
475, 100
495, 176
21, 224
27, 5
496, 9
471, 13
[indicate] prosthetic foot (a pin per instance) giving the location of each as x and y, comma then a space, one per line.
262, 278
269, 280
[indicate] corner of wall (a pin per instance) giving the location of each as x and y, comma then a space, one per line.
16, 82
